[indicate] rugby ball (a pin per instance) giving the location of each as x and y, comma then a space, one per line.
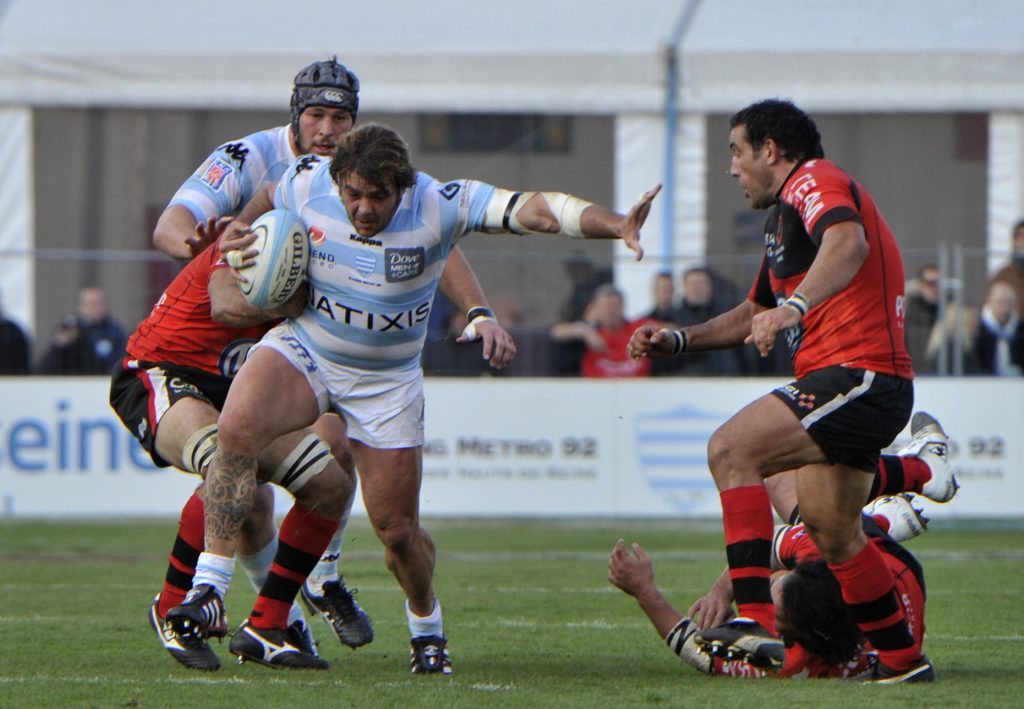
281, 264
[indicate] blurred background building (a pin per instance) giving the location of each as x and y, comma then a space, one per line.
106, 106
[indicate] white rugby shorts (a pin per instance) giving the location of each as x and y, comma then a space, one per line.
383, 408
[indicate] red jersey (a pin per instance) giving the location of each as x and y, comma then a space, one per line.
862, 325
614, 360
179, 329
795, 546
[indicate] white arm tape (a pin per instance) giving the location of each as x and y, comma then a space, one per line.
498, 218
568, 209
502, 215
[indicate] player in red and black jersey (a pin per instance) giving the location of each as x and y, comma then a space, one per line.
832, 281
821, 636
169, 391
183, 328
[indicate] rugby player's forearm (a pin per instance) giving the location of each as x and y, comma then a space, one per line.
722, 331
175, 225
459, 283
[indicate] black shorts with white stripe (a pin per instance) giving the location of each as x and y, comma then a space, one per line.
852, 414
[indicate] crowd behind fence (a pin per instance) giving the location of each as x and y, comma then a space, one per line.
89, 301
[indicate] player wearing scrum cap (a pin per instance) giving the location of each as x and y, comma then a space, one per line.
356, 348
324, 106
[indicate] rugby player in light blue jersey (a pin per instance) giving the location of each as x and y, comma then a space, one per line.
324, 106
380, 235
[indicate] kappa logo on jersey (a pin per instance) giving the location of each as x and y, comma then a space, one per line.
216, 173
365, 240
306, 162
450, 190
237, 152
404, 264
233, 356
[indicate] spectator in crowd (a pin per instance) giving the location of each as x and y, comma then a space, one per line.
696, 305
664, 299
922, 312
951, 343
584, 277
1013, 272
605, 332
999, 343
14, 347
89, 341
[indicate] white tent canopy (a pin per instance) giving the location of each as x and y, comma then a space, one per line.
534, 55
557, 56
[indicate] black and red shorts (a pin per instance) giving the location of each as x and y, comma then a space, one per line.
142, 392
852, 414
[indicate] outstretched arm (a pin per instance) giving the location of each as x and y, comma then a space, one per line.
561, 213
729, 329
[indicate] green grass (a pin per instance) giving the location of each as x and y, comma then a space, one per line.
531, 619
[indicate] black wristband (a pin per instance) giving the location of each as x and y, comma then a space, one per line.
480, 312
679, 341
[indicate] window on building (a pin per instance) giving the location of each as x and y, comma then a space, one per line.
486, 133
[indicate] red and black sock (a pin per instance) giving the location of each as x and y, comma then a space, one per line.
749, 525
868, 590
301, 541
896, 474
182, 563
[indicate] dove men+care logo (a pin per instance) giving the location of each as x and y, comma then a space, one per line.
404, 264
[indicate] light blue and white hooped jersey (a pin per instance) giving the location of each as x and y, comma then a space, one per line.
234, 172
370, 297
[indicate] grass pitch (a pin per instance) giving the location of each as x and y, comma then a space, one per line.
531, 620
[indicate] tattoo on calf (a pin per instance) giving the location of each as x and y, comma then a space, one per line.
230, 494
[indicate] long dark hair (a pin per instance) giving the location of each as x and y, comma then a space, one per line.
820, 619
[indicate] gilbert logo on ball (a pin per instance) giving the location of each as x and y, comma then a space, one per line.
280, 266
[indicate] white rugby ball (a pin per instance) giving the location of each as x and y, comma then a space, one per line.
281, 264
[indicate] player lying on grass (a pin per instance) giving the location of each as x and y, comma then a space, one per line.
819, 637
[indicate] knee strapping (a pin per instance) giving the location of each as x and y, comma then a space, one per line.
199, 449
306, 460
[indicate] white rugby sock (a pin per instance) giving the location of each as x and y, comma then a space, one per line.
214, 570
257, 566
420, 626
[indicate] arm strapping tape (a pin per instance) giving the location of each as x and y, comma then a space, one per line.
682, 642
501, 216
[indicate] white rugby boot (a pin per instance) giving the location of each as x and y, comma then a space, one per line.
931, 445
